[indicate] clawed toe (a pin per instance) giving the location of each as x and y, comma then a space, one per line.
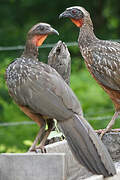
101, 132
32, 150
42, 148
37, 149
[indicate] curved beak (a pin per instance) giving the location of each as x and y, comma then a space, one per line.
53, 31
65, 14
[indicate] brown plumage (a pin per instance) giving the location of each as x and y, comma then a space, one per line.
41, 93
102, 57
35, 37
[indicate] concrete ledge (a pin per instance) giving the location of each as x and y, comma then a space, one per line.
95, 177
32, 167
112, 142
57, 164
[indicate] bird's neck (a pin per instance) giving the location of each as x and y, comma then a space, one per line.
31, 50
86, 35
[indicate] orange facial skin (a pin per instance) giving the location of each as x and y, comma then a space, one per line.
38, 40
78, 22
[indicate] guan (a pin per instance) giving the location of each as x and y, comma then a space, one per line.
102, 57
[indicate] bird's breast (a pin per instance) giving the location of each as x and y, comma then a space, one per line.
16, 74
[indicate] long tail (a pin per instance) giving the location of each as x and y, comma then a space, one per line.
87, 147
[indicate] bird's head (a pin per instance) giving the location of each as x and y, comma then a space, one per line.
59, 53
39, 32
77, 14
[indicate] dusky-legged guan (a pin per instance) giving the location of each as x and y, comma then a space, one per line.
102, 57
41, 93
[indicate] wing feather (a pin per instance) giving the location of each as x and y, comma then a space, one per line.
46, 92
105, 66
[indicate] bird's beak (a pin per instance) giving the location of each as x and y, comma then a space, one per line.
53, 31
65, 14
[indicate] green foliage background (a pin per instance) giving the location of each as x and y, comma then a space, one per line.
16, 17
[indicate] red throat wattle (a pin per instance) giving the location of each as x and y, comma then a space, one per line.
78, 22
39, 39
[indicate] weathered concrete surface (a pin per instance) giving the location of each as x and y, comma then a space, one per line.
100, 177
95, 177
32, 167
112, 142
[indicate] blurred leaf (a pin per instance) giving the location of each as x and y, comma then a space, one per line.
54, 134
27, 142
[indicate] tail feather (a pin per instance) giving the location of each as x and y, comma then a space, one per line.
87, 147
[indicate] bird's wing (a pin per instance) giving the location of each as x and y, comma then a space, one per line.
105, 64
46, 92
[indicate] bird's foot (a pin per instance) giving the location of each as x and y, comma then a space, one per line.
32, 149
101, 132
38, 149
42, 148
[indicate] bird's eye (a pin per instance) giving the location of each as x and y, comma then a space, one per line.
74, 11
41, 28
58, 50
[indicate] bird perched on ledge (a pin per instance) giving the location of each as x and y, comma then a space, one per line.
102, 57
35, 37
42, 94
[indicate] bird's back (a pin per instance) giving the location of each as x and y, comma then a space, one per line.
102, 59
41, 88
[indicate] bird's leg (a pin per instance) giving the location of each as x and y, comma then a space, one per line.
47, 132
39, 119
38, 138
42, 143
111, 123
